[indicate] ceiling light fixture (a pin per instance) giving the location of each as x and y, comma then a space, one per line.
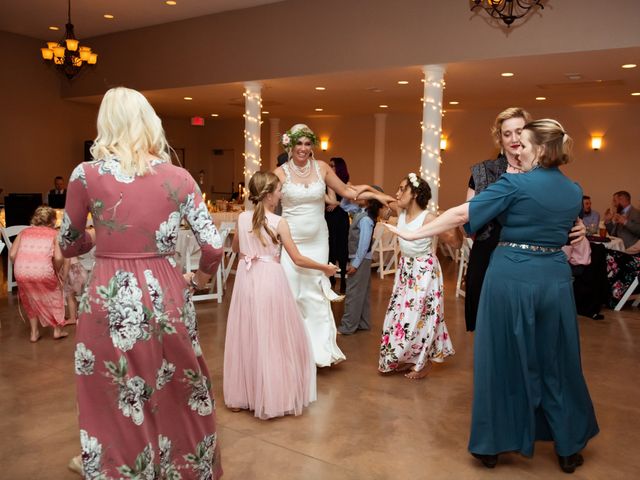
320, 89
188, 98
215, 115
171, 2
508, 11
635, 94
108, 16
319, 109
403, 82
507, 74
67, 54
629, 65
264, 112
383, 106
541, 98
54, 28
454, 102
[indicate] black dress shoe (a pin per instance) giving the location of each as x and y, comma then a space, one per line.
489, 461
597, 316
570, 463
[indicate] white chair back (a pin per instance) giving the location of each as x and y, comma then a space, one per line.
385, 250
216, 286
7, 234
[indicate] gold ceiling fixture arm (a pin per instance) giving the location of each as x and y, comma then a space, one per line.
508, 11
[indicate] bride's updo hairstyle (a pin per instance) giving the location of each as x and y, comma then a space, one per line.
551, 135
260, 185
129, 130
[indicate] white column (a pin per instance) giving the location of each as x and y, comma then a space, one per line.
378, 148
252, 122
432, 130
274, 136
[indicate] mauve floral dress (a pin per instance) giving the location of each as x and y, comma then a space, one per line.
146, 410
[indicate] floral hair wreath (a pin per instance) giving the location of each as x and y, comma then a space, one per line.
413, 178
289, 138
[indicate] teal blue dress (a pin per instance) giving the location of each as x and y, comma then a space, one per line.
528, 381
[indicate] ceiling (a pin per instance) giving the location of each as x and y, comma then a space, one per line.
476, 85
34, 17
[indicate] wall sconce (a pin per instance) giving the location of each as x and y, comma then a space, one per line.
324, 144
443, 143
596, 142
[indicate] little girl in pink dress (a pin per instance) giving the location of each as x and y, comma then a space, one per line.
268, 362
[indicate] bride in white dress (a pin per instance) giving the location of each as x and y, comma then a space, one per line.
304, 181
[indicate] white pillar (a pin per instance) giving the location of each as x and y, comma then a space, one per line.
432, 130
274, 137
378, 148
252, 122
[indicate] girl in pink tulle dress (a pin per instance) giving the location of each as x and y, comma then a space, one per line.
268, 362
36, 260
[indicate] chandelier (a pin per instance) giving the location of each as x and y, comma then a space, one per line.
67, 54
506, 10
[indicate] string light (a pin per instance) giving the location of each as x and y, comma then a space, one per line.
431, 134
252, 143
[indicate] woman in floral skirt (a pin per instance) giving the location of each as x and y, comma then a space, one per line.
144, 390
414, 333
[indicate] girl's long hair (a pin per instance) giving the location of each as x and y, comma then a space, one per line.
260, 185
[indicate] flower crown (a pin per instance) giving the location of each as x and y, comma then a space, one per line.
289, 138
413, 178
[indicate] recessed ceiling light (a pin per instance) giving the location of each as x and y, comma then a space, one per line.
188, 98
215, 115
454, 102
320, 89
541, 98
629, 65
319, 109
53, 27
635, 94
573, 76
507, 74
265, 112
171, 2
383, 106
403, 82
108, 16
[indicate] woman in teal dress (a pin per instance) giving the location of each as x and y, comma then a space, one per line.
528, 381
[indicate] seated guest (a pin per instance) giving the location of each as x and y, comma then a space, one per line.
37, 259
590, 217
624, 220
58, 196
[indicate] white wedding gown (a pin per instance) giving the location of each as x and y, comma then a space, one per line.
303, 208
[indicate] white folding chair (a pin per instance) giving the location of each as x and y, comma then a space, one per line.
7, 234
384, 251
628, 295
215, 288
463, 255
229, 256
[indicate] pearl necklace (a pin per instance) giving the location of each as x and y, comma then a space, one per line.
301, 172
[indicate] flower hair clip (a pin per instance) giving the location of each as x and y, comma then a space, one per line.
413, 178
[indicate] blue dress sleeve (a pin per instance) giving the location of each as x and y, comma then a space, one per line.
491, 202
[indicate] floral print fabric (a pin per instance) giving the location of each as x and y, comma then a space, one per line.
622, 270
414, 331
144, 391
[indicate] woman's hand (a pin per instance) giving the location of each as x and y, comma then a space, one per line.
578, 232
361, 189
330, 208
330, 270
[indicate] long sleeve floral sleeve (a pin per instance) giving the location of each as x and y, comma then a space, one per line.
195, 212
73, 238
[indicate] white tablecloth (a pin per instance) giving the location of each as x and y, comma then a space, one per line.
615, 243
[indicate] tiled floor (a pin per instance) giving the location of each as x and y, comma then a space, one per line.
363, 426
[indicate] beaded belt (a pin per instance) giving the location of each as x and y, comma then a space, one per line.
526, 246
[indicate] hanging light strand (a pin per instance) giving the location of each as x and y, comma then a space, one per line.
431, 131
252, 124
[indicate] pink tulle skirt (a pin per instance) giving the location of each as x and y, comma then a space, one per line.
268, 364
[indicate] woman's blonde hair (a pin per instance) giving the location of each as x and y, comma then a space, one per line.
557, 144
130, 131
512, 112
260, 185
44, 216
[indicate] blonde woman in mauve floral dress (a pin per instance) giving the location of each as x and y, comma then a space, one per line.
144, 390
304, 181
414, 333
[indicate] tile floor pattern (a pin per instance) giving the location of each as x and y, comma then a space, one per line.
363, 426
